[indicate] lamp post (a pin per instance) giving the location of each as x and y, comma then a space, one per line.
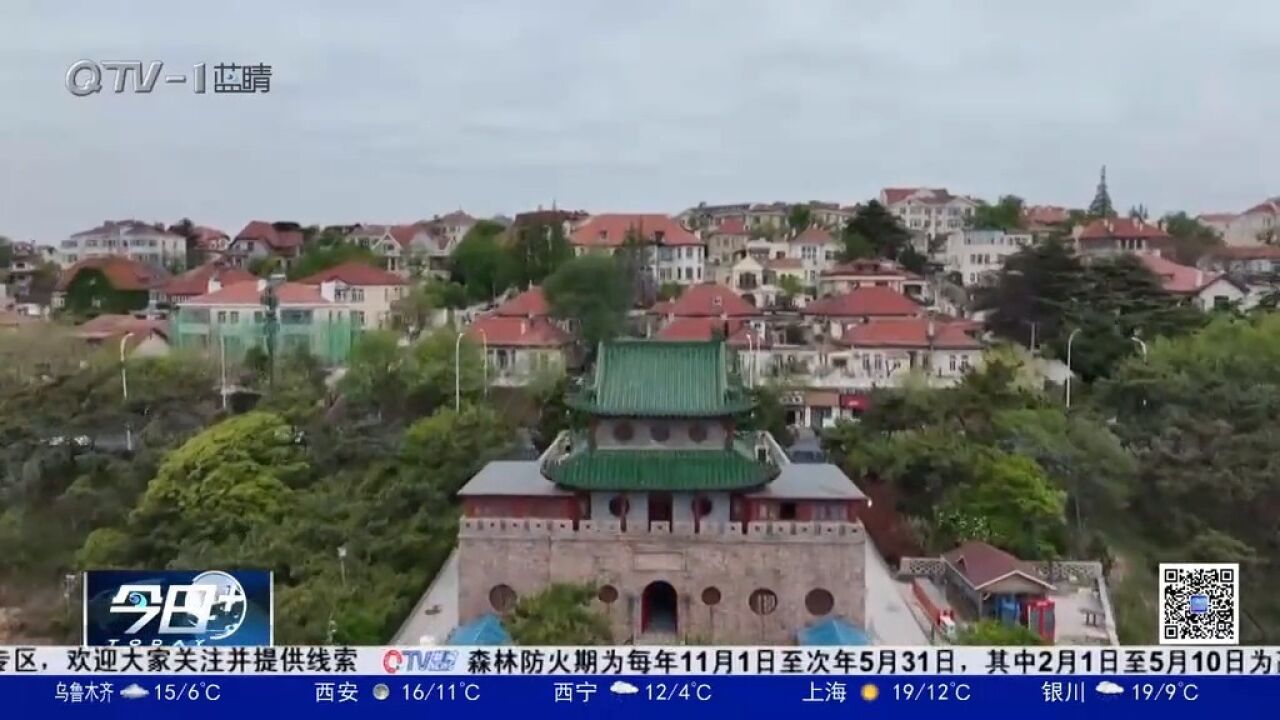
222, 347
457, 368
271, 327
751, 353
1033, 325
1141, 345
1070, 339
124, 389
342, 563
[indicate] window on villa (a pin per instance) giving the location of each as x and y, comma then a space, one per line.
953, 363
357, 318
222, 316
295, 317
787, 511
234, 316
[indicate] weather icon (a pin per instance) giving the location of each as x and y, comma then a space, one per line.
1106, 687
621, 687
381, 691
134, 692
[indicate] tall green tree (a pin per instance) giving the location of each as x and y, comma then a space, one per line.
594, 292
1101, 206
1005, 214
874, 224
1033, 292
1011, 503
1191, 238
538, 250
561, 614
799, 218
320, 258
481, 263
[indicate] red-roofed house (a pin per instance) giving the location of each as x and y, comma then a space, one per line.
1109, 236
107, 284
932, 211
981, 571
674, 254
888, 348
521, 348
141, 242
1260, 261
371, 292
235, 316
725, 243
260, 239
207, 278
531, 303
1259, 225
1208, 290
710, 300
872, 273
141, 337
864, 303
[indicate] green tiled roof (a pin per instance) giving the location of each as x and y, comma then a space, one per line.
658, 470
642, 378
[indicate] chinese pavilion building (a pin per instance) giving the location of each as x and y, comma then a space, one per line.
690, 528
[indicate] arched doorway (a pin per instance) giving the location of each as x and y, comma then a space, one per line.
659, 608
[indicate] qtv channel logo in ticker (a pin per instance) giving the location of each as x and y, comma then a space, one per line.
178, 607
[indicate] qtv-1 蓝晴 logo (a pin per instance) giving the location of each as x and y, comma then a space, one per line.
126, 607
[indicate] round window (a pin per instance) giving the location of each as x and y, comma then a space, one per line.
763, 602
608, 594
711, 596
618, 506
697, 432
701, 507
819, 602
659, 431
502, 598
622, 431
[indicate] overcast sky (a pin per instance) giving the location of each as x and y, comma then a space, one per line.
393, 111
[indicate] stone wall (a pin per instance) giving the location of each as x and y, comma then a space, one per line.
788, 559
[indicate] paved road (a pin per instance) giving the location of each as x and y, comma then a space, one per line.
889, 617
436, 626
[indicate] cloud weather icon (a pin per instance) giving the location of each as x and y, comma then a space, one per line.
623, 688
1106, 687
134, 692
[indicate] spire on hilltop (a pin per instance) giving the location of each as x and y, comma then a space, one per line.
1101, 205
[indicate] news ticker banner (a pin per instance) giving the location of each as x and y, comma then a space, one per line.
622, 697
658, 661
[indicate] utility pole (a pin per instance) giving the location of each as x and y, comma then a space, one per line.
124, 389
1070, 339
271, 326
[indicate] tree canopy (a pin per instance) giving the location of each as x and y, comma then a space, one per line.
561, 614
873, 231
594, 292
1005, 214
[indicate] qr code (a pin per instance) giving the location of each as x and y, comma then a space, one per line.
1199, 604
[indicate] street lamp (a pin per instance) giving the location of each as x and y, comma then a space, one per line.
1033, 325
342, 563
1141, 345
457, 368
271, 301
124, 389
1070, 339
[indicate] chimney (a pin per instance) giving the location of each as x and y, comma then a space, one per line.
524, 326
215, 284
328, 289
262, 284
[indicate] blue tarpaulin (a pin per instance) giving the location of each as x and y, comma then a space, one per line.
484, 630
832, 631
